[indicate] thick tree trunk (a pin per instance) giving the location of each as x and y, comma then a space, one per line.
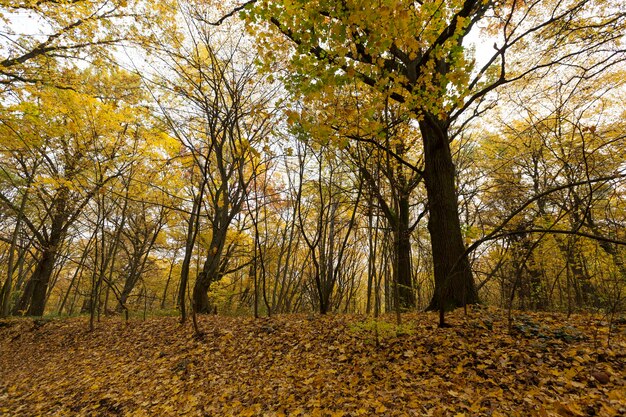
5, 292
210, 273
33, 299
129, 286
201, 302
39, 281
37, 288
454, 282
406, 296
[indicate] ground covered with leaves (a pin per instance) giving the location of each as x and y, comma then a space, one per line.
543, 364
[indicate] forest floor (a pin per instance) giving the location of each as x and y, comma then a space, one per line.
290, 365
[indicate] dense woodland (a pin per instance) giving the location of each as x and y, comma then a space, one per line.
349, 208
311, 156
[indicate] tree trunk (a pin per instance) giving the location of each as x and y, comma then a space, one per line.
209, 274
6, 288
192, 232
454, 282
371, 268
129, 286
406, 296
39, 281
201, 301
33, 300
169, 278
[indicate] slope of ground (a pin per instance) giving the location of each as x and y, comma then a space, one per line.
547, 365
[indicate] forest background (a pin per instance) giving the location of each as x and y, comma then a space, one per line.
279, 157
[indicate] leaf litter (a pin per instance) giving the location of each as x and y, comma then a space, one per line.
299, 365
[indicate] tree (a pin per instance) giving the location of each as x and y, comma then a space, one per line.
326, 216
377, 142
224, 114
565, 136
413, 53
62, 133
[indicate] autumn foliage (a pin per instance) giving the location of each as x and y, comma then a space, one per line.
298, 181
545, 365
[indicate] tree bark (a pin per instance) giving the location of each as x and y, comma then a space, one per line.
5, 293
39, 281
169, 278
209, 274
398, 219
192, 232
406, 296
454, 282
